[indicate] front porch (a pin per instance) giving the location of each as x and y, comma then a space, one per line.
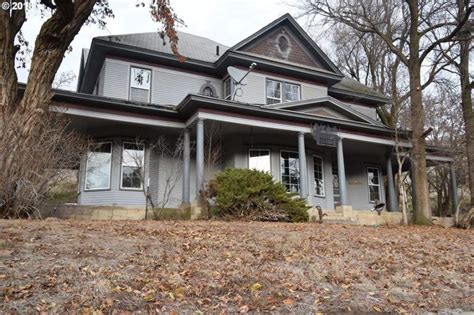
346, 180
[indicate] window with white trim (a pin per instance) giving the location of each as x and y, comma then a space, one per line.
292, 92
133, 165
279, 92
290, 170
318, 176
98, 164
229, 86
374, 184
140, 83
259, 160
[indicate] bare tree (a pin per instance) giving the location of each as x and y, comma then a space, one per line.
169, 152
25, 186
30, 109
430, 25
64, 80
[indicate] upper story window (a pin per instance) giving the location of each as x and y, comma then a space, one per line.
140, 83
208, 90
229, 86
279, 92
283, 45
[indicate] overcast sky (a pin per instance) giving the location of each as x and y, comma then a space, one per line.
225, 21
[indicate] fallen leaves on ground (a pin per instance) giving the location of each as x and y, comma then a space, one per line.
211, 266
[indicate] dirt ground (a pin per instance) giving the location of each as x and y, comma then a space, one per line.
211, 267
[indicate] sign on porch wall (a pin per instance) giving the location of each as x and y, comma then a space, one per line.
325, 135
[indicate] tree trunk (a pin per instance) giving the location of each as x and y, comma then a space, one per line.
468, 115
422, 211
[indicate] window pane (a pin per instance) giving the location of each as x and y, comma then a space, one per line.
139, 95
292, 92
259, 160
318, 176
133, 159
290, 175
98, 166
140, 78
374, 193
274, 90
373, 176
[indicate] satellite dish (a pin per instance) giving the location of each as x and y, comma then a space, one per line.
236, 74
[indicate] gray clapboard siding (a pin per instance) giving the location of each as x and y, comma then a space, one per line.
366, 110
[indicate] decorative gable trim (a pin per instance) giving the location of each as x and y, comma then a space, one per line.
288, 20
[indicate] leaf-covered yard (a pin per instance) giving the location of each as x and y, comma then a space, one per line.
212, 266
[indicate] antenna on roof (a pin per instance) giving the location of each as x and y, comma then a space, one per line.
238, 77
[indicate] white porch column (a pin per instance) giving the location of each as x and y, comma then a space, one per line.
341, 172
186, 161
454, 187
392, 196
199, 156
303, 166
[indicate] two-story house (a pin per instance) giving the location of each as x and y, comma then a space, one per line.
295, 115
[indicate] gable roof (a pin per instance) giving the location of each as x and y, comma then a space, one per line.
191, 46
330, 102
288, 20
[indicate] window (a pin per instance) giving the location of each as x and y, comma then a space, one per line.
290, 171
133, 160
98, 165
374, 184
283, 45
279, 92
140, 82
318, 176
207, 91
292, 92
259, 160
229, 86
273, 92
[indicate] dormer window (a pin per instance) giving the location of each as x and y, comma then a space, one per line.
140, 83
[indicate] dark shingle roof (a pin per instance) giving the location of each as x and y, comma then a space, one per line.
189, 45
351, 85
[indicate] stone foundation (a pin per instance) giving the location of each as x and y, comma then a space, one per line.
98, 213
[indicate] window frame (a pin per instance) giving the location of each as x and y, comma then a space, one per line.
130, 82
282, 98
273, 98
299, 171
322, 176
269, 159
232, 87
110, 167
121, 167
369, 184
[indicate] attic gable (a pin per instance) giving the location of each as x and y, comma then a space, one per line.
286, 41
